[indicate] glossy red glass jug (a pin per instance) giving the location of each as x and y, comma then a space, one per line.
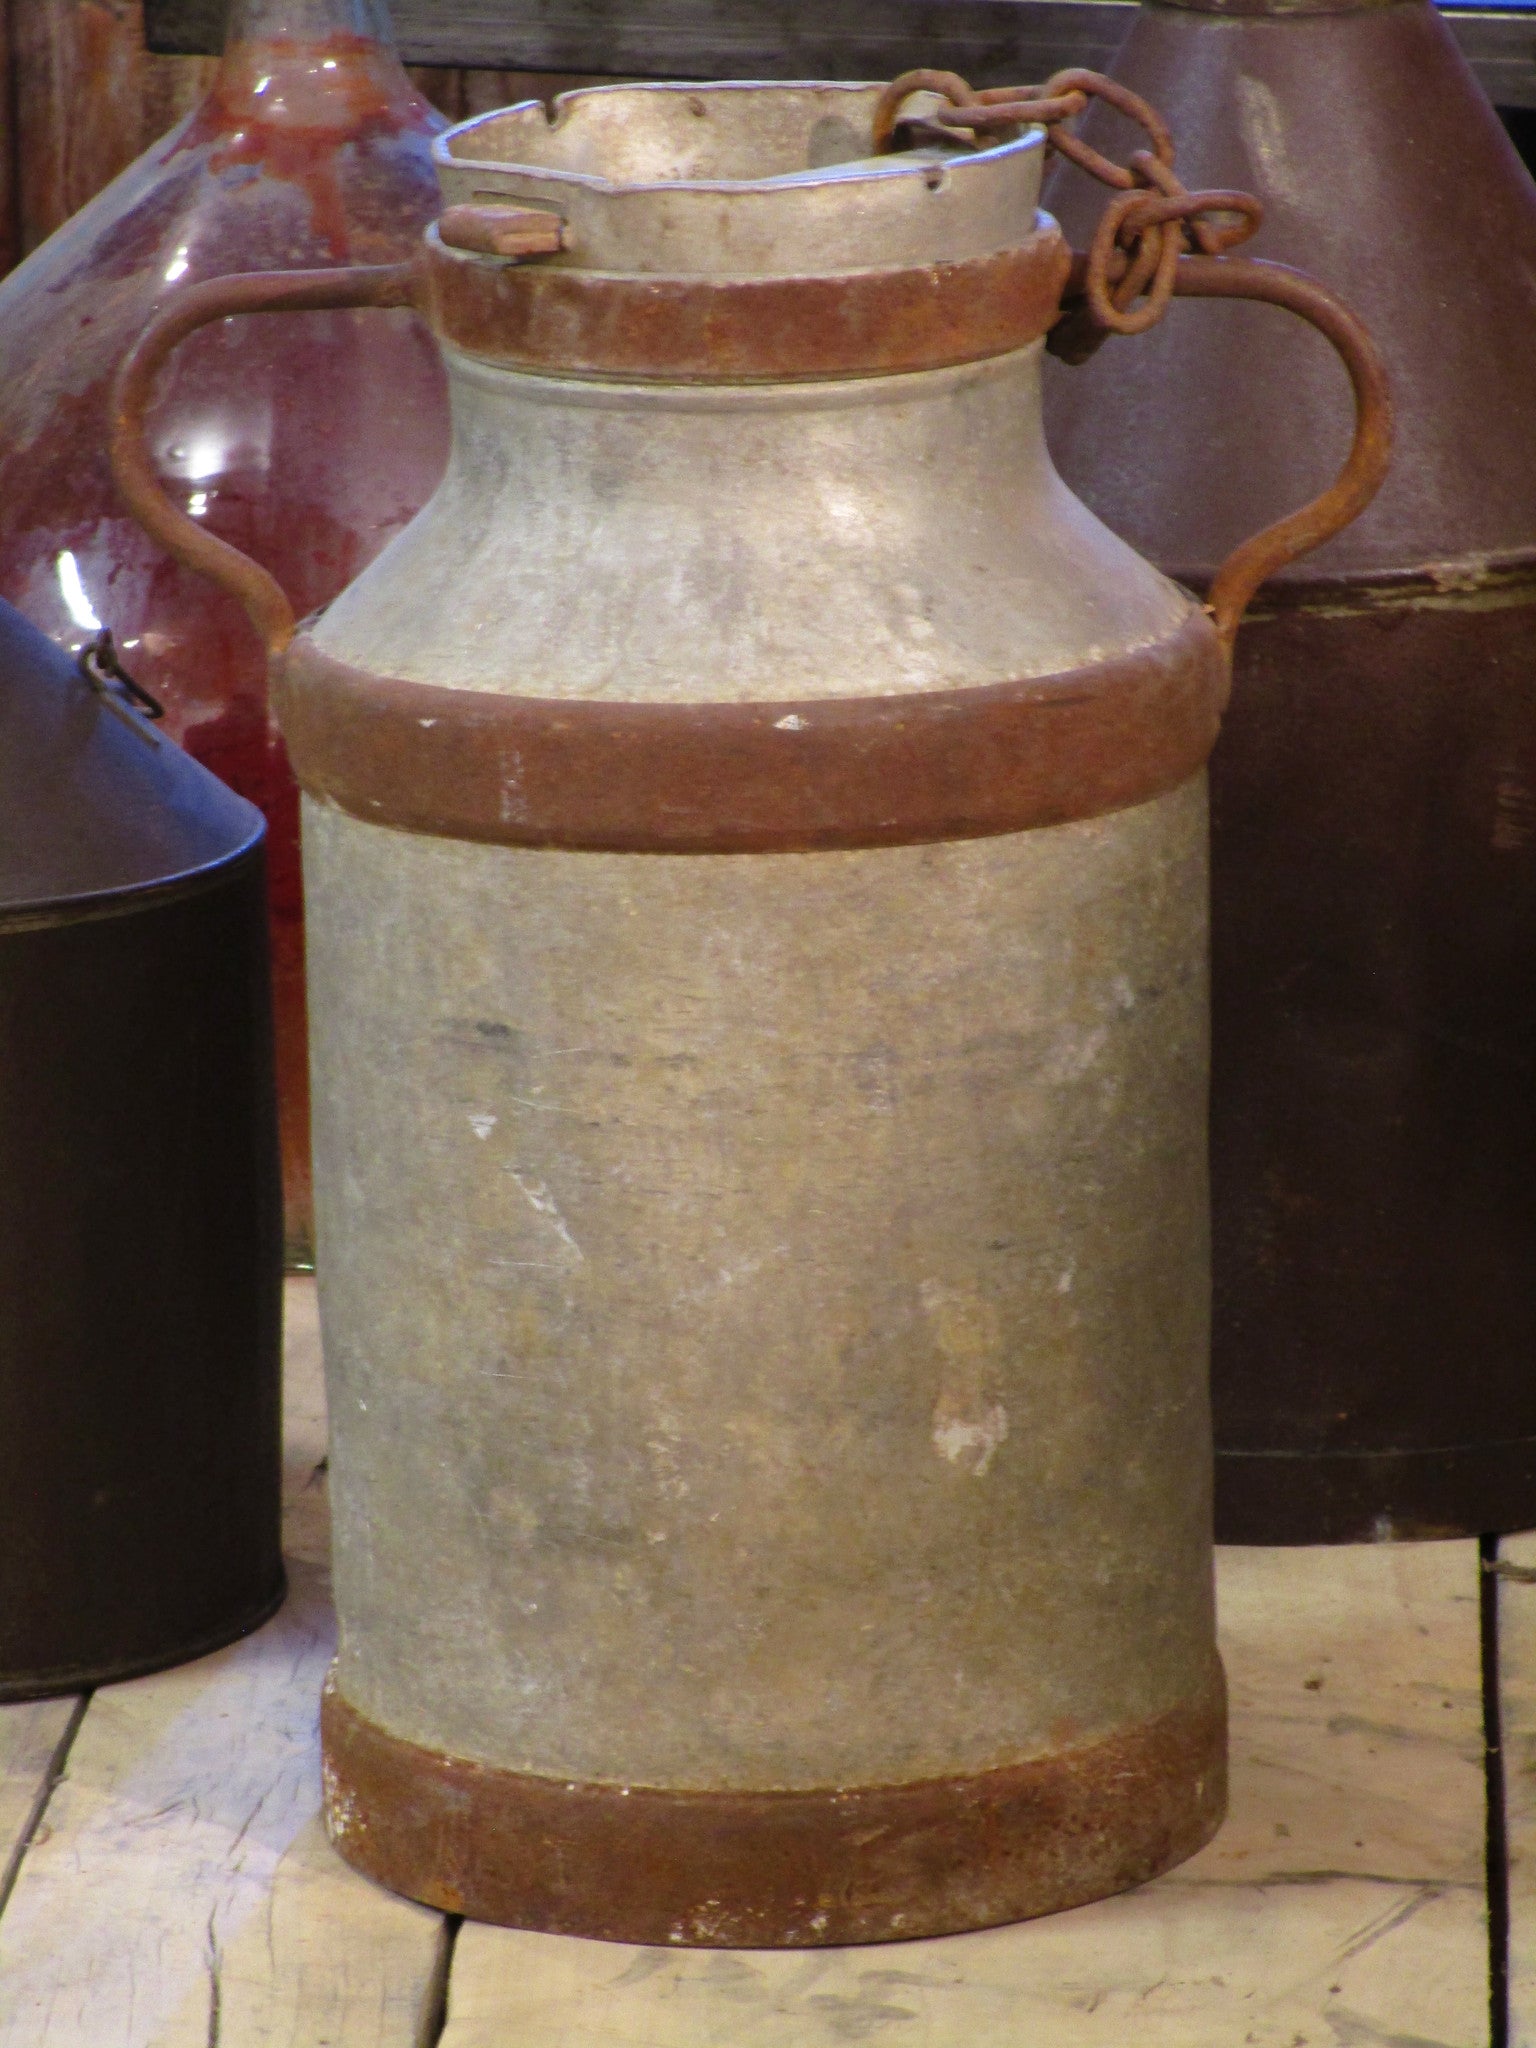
308, 438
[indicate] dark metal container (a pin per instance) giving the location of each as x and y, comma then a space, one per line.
140, 1216
1374, 788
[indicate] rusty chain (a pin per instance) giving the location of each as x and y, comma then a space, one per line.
1127, 276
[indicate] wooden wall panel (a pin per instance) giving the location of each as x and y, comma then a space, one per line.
81, 99
10, 231
460, 94
78, 90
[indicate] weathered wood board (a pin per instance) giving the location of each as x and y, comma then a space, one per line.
34, 1740
1517, 1703
179, 1889
1342, 1905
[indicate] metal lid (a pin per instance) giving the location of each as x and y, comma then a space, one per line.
741, 179
96, 806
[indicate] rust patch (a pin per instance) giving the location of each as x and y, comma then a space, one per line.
736, 330
774, 777
776, 1869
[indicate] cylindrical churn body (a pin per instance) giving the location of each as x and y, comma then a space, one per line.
764, 1292
755, 861
139, 1458
1374, 789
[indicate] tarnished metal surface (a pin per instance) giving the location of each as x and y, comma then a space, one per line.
812, 1388
140, 1234
501, 230
754, 777
777, 1869
739, 180
727, 331
1374, 792
773, 1504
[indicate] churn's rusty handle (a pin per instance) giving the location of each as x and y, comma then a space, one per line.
293, 291
1252, 277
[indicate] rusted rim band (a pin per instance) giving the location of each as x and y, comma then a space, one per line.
776, 1869
791, 776
865, 323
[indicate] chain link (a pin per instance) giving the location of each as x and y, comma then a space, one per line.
1128, 276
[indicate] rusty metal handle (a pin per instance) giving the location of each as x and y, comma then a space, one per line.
1251, 277
293, 291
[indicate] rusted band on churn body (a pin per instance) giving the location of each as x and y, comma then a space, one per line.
732, 330
758, 777
776, 1869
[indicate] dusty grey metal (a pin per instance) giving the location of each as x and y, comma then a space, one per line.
765, 1297
660, 178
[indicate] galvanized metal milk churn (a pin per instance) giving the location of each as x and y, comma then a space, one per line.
755, 843
140, 1213
1374, 793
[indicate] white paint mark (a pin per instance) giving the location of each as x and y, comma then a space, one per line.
513, 804
969, 1421
538, 1197
972, 1442
482, 1123
426, 724
1064, 1284
1071, 1061
793, 723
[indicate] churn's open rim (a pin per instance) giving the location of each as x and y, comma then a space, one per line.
739, 177
665, 136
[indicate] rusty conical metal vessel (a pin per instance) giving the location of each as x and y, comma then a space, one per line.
1374, 790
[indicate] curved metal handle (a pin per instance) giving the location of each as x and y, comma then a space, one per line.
1251, 277
291, 291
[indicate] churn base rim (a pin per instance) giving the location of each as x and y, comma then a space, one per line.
1297, 1497
776, 1869
86, 1677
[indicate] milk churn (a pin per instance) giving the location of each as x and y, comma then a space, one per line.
140, 1239
1374, 792
312, 147
755, 854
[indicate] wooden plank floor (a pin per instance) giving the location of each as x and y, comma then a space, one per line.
165, 1879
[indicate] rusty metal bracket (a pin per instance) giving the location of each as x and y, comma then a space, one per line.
1155, 241
294, 291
